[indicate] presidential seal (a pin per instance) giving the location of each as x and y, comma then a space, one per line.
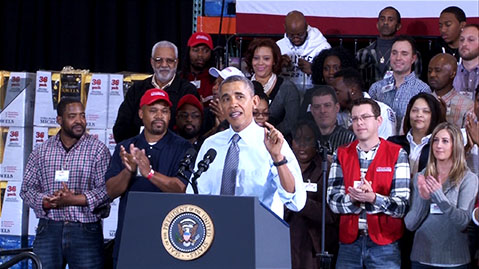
187, 232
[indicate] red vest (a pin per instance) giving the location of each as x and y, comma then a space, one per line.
382, 229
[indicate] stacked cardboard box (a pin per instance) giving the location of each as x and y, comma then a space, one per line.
17, 94
28, 112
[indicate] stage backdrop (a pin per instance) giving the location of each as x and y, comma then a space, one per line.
347, 17
100, 35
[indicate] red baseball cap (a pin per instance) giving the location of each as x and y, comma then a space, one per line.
153, 95
200, 38
192, 100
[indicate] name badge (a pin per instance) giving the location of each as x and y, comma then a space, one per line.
435, 210
197, 83
468, 94
388, 74
383, 169
62, 175
357, 184
311, 187
388, 88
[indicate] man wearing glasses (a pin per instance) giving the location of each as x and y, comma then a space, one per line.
301, 43
164, 61
369, 187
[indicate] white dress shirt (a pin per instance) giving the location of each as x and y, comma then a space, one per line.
256, 176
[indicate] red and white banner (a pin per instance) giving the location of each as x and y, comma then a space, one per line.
347, 17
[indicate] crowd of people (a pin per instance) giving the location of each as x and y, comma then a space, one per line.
402, 153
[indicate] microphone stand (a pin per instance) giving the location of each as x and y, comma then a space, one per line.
194, 184
181, 173
202, 166
324, 257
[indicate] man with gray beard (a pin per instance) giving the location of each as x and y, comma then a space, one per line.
164, 62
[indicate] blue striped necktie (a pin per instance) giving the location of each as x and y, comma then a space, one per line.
228, 181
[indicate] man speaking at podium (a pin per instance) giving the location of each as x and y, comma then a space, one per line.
250, 160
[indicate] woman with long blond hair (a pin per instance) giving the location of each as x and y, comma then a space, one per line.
442, 201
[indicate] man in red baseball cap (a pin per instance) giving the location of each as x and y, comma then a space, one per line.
149, 161
197, 63
189, 119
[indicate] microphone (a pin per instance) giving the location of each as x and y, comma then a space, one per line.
204, 164
185, 163
325, 148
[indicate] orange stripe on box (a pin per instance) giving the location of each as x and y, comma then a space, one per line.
211, 25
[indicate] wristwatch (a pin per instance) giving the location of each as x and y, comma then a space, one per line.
284, 161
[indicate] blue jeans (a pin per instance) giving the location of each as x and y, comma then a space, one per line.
80, 245
364, 253
417, 265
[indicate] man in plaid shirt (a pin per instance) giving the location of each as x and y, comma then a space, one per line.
440, 74
64, 184
369, 187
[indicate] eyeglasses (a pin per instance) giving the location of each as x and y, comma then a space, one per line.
300, 35
160, 60
263, 114
185, 115
362, 118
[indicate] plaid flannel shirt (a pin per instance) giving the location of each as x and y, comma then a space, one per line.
394, 205
87, 162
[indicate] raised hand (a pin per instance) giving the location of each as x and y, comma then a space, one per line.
273, 140
127, 158
423, 188
358, 195
433, 184
285, 61
305, 66
472, 128
366, 186
142, 162
215, 107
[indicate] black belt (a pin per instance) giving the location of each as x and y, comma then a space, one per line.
363, 232
65, 222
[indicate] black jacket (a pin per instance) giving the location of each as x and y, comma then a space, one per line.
128, 122
402, 141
